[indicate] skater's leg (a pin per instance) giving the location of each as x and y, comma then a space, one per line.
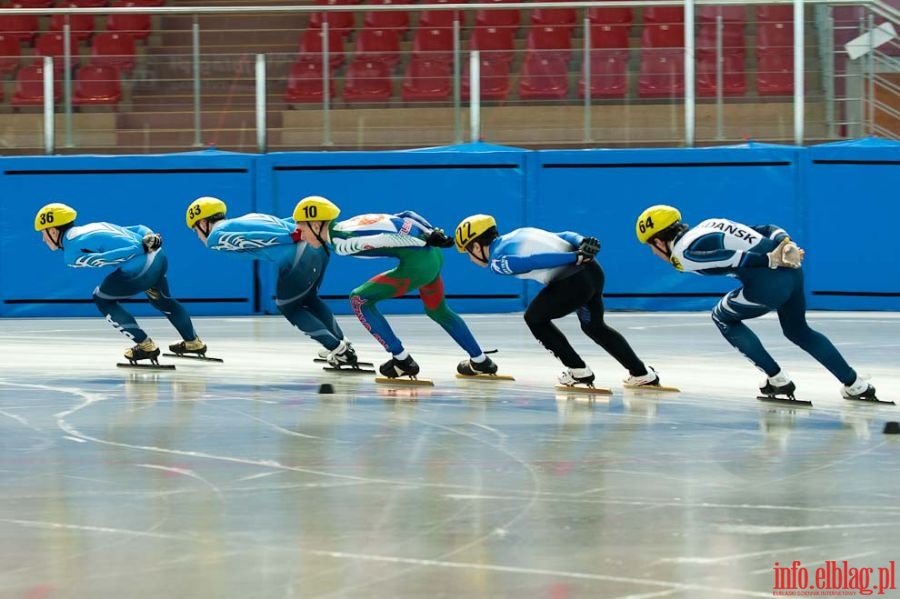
161, 299
295, 296
364, 300
436, 308
554, 301
728, 314
115, 287
590, 315
792, 315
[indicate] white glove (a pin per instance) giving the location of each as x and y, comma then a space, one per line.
786, 254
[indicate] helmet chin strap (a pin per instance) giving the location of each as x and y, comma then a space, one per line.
318, 236
58, 241
483, 257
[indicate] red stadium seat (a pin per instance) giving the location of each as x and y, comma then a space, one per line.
81, 25
30, 87
609, 16
664, 15
609, 75
555, 17
306, 84
35, 3
774, 74
729, 14
88, 3
139, 26
494, 80
97, 84
775, 13
150, 2
344, 22
550, 41
544, 77
734, 79
732, 38
663, 36
777, 37
114, 49
382, 45
367, 81
10, 53
52, 44
508, 18
613, 37
662, 74
311, 47
434, 44
436, 19
398, 19
494, 43
427, 80
22, 27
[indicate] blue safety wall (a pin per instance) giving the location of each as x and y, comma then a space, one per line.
834, 199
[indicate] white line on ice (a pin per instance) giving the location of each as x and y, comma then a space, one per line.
729, 558
184, 472
754, 529
20, 420
106, 529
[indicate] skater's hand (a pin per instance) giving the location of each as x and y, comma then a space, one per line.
583, 258
438, 238
152, 242
786, 254
589, 246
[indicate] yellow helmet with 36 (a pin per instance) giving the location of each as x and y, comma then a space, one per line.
471, 228
54, 215
655, 219
315, 208
204, 208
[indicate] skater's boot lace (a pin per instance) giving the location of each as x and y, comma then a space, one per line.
469, 368
649, 379
394, 368
194, 346
778, 384
143, 350
860, 389
574, 376
343, 355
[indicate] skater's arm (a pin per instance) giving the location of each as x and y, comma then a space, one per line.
356, 243
515, 265
570, 237
416, 218
86, 258
248, 233
773, 232
708, 255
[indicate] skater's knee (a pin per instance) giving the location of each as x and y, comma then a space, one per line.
797, 334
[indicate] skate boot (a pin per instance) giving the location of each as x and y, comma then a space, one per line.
651, 379
778, 387
145, 350
395, 368
470, 368
577, 376
859, 390
343, 356
195, 346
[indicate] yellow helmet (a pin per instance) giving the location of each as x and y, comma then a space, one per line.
204, 208
315, 208
654, 219
470, 228
54, 215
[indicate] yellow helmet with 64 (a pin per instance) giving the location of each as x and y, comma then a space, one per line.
655, 219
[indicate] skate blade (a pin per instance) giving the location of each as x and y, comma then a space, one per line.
486, 377
783, 401
883, 402
652, 388
198, 358
363, 364
349, 370
585, 390
406, 382
146, 366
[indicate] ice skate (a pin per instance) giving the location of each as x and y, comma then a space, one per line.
580, 380
468, 369
145, 350
325, 355
861, 390
646, 382
344, 359
404, 372
194, 349
780, 389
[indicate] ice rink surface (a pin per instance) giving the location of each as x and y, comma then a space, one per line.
241, 480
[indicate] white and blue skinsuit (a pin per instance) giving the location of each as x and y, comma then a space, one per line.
550, 258
719, 246
97, 245
300, 269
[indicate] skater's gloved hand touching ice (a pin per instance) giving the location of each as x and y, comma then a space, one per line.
786, 254
152, 242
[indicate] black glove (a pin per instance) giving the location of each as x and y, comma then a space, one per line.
589, 246
438, 238
152, 242
582, 258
